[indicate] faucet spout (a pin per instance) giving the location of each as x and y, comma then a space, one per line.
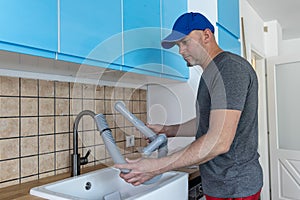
76, 159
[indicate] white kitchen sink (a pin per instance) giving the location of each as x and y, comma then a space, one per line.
105, 184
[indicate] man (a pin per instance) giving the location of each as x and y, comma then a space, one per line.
226, 124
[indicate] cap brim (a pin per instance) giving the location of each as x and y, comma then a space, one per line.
171, 39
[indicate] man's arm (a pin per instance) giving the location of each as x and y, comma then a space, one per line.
222, 129
221, 132
187, 129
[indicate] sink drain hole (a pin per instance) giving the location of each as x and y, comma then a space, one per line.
88, 185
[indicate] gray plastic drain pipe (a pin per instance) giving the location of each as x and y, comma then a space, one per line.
158, 142
109, 141
112, 148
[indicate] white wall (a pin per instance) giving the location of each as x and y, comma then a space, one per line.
289, 47
207, 9
275, 45
273, 37
173, 103
253, 29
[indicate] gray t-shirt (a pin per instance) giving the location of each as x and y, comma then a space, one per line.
229, 82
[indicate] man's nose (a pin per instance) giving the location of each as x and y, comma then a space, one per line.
181, 50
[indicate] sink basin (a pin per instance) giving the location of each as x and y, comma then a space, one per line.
105, 184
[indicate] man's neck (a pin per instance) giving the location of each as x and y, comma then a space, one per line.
212, 54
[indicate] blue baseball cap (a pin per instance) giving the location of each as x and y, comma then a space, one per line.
185, 24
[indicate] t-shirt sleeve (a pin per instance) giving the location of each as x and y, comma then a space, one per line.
230, 87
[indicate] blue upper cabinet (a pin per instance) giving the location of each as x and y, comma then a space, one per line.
116, 34
142, 34
173, 63
29, 27
228, 42
91, 32
228, 16
229, 25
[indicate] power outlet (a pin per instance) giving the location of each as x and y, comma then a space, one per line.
129, 140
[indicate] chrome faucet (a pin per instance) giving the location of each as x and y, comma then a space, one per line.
106, 135
76, 160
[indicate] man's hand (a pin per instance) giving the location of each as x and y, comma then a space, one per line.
141, 170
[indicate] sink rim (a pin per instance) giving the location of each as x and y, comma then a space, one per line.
45, 192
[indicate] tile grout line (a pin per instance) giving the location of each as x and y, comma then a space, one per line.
69, 127
54, 129
20, 110
38, 124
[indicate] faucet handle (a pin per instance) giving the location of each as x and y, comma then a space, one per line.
87, 153
84, 160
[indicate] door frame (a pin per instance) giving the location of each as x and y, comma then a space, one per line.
263, 136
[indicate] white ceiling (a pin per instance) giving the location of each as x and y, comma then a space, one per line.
286, 12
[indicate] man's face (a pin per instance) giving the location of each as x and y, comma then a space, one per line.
184, 49
191, 49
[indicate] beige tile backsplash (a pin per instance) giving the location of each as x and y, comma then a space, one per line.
9, 106
9, 127
36, 125
9, 86
46, 88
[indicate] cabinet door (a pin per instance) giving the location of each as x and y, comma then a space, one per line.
29, 26
91, 30
173, 63
228, 16
228, 42
142, 51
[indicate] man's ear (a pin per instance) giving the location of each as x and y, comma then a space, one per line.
207, 35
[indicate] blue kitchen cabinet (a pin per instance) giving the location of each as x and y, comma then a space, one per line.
228, 16
142, 35
229, 26
29, 27
91, 32
117, 34
228, 42
173, 63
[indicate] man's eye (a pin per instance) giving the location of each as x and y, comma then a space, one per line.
185, 42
